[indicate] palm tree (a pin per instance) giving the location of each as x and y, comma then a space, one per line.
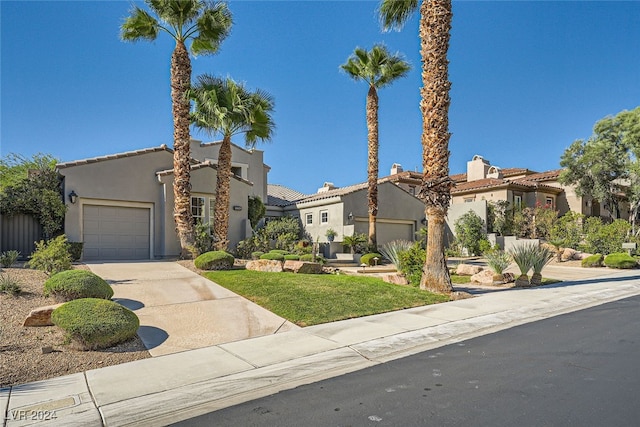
435, 25
226, 107
207, 25
378, 68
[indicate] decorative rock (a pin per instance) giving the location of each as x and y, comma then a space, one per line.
467, 269
568, 254
458, 295
485, 277
41, 316
395, 279
581, 255
302, 267
47, 350
265, 265
508, 277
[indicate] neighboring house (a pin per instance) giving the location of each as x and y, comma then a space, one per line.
400, 215
122, 204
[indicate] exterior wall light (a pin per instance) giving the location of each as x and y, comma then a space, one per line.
237, 208
350, 216
73, 197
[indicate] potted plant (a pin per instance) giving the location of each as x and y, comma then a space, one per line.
331, 234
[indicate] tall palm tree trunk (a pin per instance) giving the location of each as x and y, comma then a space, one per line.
180, 82
435, 24
372, 163
223, 183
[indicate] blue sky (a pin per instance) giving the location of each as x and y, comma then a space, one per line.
528, 78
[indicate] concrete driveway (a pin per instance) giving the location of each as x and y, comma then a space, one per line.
180, 310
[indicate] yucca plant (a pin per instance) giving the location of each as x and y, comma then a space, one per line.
542, 256
498, 261
393, 249
524, 256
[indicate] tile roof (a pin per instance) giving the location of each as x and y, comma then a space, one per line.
163, 147
202, 165
279, 195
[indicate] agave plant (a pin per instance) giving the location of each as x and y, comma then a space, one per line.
498, 261
541, 258
524, 256
392, 250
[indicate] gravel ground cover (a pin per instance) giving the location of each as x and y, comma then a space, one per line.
22, 358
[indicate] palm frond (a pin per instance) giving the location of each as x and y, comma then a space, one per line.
395, 13
498, 261
140, 25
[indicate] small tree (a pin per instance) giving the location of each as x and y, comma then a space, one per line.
470, 231
567, 230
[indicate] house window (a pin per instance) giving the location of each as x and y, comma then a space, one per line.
324, 217
517, 201
197, 209
468, 199
212, 209
549, 202
309, 219
237, 171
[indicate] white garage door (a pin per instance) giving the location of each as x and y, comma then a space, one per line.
115, 233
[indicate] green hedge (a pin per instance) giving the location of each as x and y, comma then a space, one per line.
309, 258
214, 260
594, 260
292, 257
369, 258
620, 260
256, 254
279, 251
95, 323
73, 284
273, 256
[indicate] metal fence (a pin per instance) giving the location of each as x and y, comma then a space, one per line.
19, 232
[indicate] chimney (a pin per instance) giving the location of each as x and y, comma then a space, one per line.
477, 168
327, 186
396, 168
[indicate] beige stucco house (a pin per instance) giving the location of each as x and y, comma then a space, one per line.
400, 215
121, 205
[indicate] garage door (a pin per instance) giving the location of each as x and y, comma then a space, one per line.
115, 233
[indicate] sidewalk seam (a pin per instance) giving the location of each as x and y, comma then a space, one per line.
93, 399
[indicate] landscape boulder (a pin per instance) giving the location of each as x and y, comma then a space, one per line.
265, 265
395, 279
467, 269
568, 254
41, 316
302, 267
484, 277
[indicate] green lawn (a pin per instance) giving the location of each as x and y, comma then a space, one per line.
306, 299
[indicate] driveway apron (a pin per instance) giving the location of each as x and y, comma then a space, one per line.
180, 310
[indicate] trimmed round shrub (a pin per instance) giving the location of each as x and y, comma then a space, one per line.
369, 258
594, 260
309, 258
214, 260
93, 323
292, 257
279, 251
256, 254
273, 256
620, 260
73, 284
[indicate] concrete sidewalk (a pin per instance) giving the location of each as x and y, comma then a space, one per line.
174, 387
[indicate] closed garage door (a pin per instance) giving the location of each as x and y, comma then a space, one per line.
115, 233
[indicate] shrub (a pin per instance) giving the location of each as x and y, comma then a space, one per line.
594, 260
75, 250
498, 261
204, 241
411, 263
309, 258
567, 230
484, 246
369, 258
51, 257
256, 254
279, 251
355, 243
9, 285
303, 247
214, 260
470, 231
541, 256
8, 258
292, 257
524, 257
393, 249
620, 260
95, 323
273, 256
74, 284
605, 238
285, 231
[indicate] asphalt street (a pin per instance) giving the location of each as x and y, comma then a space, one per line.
577, 369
